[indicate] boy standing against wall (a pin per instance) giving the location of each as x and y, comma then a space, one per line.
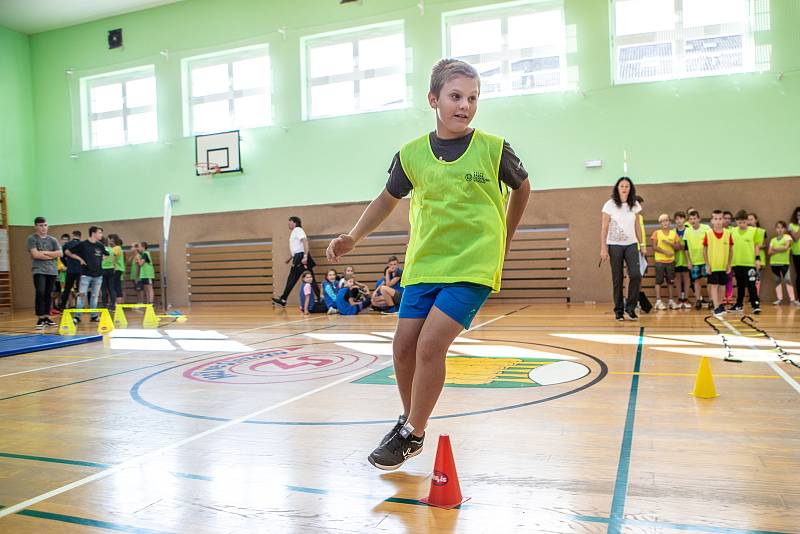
718, 254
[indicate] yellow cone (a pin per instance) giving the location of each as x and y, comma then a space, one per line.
105, 325
67, 327
704, 383
119, 316
150, 319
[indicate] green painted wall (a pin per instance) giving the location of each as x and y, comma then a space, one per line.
17, 131
741, 126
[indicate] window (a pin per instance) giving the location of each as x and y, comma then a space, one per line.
354, 71
119, 108
667, 39
227, 91
517, 48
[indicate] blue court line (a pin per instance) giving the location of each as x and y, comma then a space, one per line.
85, 522
395, 500
621, 484
82, 381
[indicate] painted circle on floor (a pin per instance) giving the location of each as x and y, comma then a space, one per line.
502, 375
278, 365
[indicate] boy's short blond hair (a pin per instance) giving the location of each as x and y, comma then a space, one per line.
448, 68
663, 216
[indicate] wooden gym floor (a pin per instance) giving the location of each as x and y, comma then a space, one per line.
162, 434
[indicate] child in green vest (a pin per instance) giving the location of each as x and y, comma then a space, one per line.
746, 262
718, 255
779, 247
664, 244
793, 229
119, 266
135, 272
694, 235
147, 272
682, 278
462, 222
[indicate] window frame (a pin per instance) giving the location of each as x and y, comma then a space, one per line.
87, 83
351, 35
222, 57
677, 38
506, 56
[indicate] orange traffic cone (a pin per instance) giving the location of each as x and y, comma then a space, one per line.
445, 490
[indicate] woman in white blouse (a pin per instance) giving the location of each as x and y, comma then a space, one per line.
620, 236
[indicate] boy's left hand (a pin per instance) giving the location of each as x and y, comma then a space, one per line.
339, 247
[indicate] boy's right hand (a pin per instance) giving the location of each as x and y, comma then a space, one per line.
339, 247
603, 254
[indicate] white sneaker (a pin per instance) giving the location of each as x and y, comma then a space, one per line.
672, 306
778, 302
686, 305
332, 311
796, 302
660, 305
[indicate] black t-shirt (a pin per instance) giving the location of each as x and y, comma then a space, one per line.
73, 266
92, 254
511, 171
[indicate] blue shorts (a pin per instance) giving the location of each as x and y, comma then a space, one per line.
460, 300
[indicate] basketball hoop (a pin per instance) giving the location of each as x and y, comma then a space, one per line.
206, 169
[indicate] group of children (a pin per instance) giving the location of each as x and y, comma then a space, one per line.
730, 248
346, 296
96, 267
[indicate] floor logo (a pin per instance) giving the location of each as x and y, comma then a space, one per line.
290, 364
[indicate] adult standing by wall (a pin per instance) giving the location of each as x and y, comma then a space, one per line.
73, 269
300, 258
44, 249
620, 236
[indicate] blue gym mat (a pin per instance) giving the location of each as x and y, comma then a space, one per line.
22, 344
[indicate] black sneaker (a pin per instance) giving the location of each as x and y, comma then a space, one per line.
698, 305
400, 447
756, 310
40, 324
618, 316
395, 429
711, 305
76, 320
95, 319
280, 302
719, 311
49, 322
736, 309
631, 315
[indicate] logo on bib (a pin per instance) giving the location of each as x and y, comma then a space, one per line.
476, 177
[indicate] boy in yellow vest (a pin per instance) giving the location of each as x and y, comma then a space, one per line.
718, 254
746, 262
665, 242
693, 236
462, 221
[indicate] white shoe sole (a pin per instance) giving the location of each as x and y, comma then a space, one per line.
393, 467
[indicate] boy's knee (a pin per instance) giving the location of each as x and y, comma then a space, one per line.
404, 350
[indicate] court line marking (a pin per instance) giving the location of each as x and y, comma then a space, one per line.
783, 374
147, 456
394, 500
304, 320
65, 364
86, 522
617, 515
693, 374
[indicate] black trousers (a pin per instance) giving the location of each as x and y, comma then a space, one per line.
296, 271
71, 281
796, 262
743, 281
109, 290
629, 254
43, 284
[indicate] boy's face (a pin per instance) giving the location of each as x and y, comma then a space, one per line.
779, 230
392, 265
348, 271
349, 282
664, 224
726, 219
41, 228
98, 235
751, 220
694, 220
742, 224
680, 221
717, 220
455, 106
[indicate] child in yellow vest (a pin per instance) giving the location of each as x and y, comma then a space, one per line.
665, 241
779, 247
693, 236
682, 276
718, 255
462, 222
746, 262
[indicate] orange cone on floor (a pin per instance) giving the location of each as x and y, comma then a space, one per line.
445, 490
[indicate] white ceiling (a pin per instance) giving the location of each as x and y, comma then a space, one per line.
33, 16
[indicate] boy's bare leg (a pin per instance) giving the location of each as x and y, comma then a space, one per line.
714, 294
404, 349
437, 334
